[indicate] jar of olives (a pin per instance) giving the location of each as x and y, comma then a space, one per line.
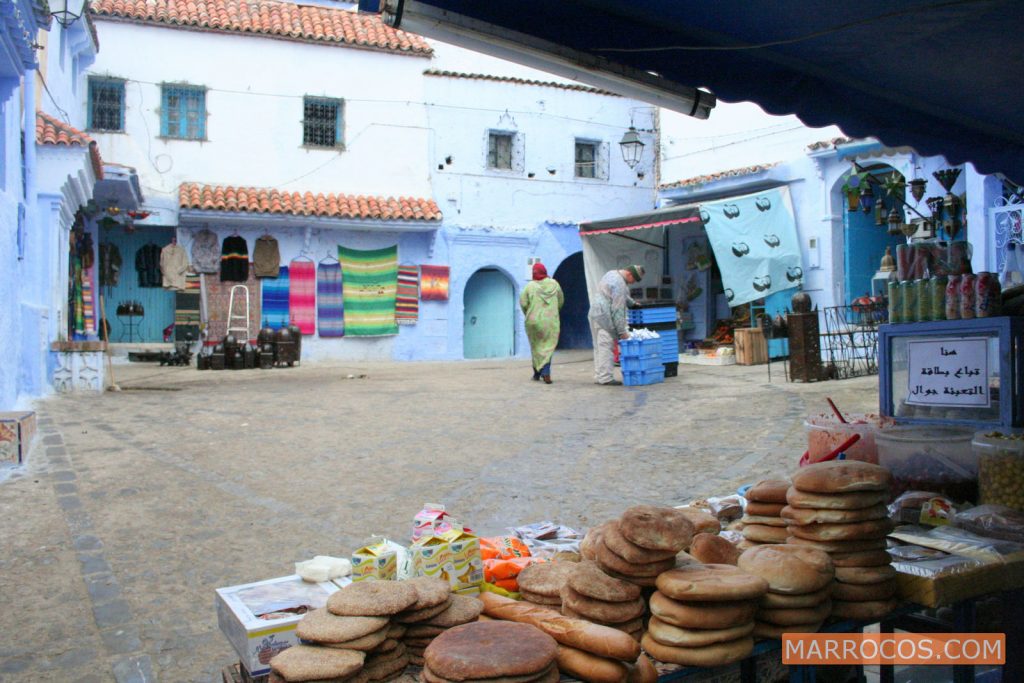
1000, 468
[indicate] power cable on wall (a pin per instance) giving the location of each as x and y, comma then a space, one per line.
64, 114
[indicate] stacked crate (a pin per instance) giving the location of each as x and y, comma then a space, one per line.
640, 361
661, 319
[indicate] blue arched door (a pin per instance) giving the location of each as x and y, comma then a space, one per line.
575, 328
488, 316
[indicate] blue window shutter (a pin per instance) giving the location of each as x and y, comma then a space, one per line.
183, 112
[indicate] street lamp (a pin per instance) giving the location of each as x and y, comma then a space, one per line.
631, 146
67, 12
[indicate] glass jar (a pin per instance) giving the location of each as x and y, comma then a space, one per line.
1000, 468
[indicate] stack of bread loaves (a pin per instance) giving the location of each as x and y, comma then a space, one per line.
714, 549
761, 517
703, 615
591, 594
799, 581
640, 545
840, 507
436, 610
541, 582
490, 650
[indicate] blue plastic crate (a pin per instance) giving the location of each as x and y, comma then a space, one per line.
653, 376
640, 348
630, 364
640, 316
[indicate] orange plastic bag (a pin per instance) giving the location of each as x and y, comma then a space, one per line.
498, 571
502, 547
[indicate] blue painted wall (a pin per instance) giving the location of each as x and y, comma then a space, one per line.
158, 303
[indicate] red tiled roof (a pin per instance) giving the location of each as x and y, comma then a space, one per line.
720, 175
262, 200
52, 131
520, 81
306, 23
825, 144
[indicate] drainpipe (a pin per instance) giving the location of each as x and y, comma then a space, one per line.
29, 190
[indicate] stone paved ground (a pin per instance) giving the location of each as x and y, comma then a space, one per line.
136, 505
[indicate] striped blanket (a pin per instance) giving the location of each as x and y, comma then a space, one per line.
371, 278
434, 283
275, 299
186, 309
302, 295
330, 306
407, 297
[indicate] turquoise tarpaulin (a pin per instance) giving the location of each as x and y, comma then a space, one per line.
755, 243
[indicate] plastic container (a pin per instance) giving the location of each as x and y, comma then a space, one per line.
634, 364
930, 458
1000, 457
639, 348
825, 432
653, 376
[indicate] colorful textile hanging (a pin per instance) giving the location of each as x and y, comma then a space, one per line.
371, 278
88, 308
302, 295
186, 309
434, 283
275, 300
330, 306
407, 303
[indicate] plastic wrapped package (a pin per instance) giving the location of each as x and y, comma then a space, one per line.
733, 537
906, 509
958, 541
993, 521
548, 539
724, 508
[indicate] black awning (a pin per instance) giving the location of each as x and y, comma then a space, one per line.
653, 219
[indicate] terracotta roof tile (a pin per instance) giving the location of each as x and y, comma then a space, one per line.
53, 131
305, 23
825, 144
719, 175
262, 200
520, 81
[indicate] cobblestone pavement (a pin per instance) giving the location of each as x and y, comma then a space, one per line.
137, 504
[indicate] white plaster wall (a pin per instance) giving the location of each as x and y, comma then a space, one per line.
254, 105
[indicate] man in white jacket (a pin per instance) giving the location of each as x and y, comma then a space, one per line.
608, 319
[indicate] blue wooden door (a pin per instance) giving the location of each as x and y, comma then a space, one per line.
158, 303
863, 251
488, 316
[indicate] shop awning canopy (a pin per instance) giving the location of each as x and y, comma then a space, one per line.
937, 75
653, 219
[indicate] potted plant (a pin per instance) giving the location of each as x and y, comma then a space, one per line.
852, 187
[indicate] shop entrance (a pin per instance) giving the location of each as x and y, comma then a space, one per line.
866, 237
157, 303
488, 315
575, 329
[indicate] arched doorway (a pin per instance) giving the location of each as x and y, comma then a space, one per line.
488, 321
866, 234
575, 329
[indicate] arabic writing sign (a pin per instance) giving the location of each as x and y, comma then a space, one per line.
948, 372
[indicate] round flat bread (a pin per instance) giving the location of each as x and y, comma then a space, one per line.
320, 626
421, 643
854, 531
702, 614
782, 601
865, 575
424, 631
711, 583
839, 546
587, 579
358, 677
539, 599
871, 610
667, 634
789, 569
834, 501
379, 657
381, 670
641, 581
864, 592
765, 520
629, 551
764, 509
842, 476
717, 654
866, 558
430, 591
372, 598
461, 610
703, 522
588, 546
309, 662
763, 629
761, 533
430, 676
598, 610
713, 549
795, 615
425, 614
388, 646
626, 626
365, 644
772, 491
656, 528
416, 660
482, 650
396, 630
609, 560
825, 516
545, 578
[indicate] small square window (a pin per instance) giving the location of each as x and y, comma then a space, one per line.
499, 151
586, 160
106, 104
321, 122
183, 112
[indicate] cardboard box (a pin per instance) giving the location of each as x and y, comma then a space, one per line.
453, 555
432, 520
246, 615
376, 560
17, 429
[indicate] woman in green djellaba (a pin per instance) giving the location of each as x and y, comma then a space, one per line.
541, 301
